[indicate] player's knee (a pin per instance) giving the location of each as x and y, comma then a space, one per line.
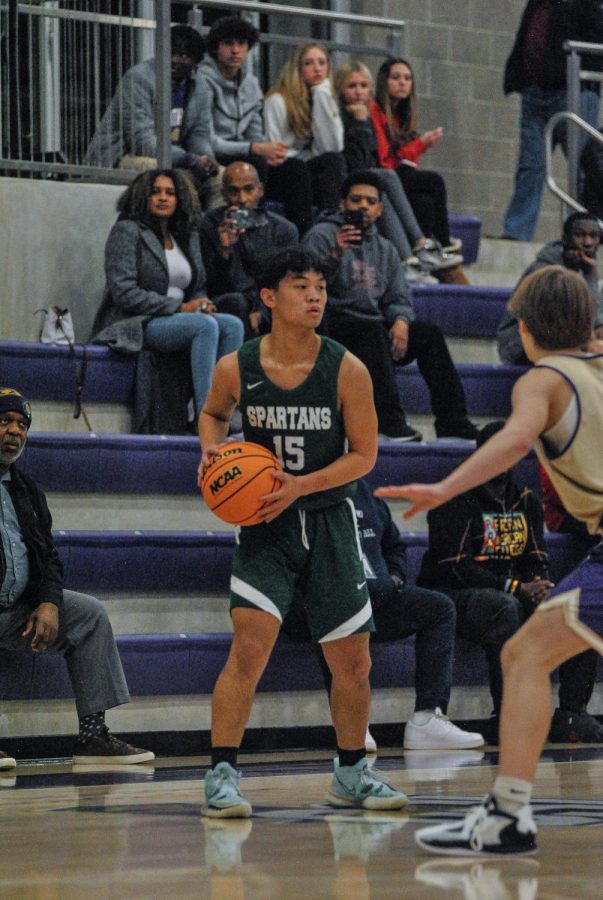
249, 655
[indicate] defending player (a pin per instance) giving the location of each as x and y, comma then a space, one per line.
303, 396
558, 407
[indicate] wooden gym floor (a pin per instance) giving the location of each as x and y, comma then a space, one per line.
135, 831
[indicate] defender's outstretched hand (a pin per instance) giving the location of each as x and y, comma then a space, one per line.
421, 496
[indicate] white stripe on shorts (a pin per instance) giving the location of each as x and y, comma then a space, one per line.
247, 592
351, 626
569, 602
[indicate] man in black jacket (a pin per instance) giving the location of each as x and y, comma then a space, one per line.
38, 615
536, 69
235, 240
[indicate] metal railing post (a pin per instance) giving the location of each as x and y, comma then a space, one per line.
573, 106
163, 63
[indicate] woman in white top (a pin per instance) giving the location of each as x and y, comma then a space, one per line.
156, 280
301, 110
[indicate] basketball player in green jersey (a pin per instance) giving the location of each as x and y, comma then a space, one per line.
311, 402
558, 408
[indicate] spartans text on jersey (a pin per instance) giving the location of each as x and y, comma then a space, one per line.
289, 418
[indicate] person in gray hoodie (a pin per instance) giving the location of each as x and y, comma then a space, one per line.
236, 128
370, 312
576, 250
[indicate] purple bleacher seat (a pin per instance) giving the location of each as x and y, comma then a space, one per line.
139, 464
47, 372
487, 388
463, 310
118, 561
168, 664
469, 229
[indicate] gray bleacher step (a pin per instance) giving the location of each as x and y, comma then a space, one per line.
167, 613
502, 262
148, 512
192, 712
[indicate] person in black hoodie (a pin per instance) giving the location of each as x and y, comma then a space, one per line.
487, 552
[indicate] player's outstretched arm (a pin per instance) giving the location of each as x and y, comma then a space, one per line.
218, 408
532, 400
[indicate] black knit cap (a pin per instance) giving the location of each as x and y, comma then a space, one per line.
12, 401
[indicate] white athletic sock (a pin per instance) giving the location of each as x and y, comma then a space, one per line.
511, 793
422, 716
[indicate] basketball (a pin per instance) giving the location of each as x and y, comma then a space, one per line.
236, 479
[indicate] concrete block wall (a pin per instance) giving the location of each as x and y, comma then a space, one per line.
458, 49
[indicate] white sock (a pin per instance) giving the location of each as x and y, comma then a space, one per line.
511, 793
422, 716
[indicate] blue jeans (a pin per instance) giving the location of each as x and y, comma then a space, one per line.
538, 105
208, 337
397, 222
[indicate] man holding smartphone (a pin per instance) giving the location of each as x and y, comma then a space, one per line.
370, 313
235, 240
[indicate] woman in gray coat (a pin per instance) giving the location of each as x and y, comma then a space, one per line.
155, 295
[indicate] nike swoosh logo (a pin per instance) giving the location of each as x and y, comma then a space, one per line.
250, 387
360, 586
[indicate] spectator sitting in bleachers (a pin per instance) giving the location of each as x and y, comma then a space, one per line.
487, 552
235, 239
301, 111
127, 136
577, 250
155, 295
37, 614
354, 87
577, 676
400, 610
234, 97
370, 313
400, 146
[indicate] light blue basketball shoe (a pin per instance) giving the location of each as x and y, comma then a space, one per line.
223, 799
361, 787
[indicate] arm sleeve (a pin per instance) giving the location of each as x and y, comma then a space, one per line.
386, 157
411, 151
395, 303
327, 127
121, 271
51, 587
275, 118
393, 547
535, 559
451, 550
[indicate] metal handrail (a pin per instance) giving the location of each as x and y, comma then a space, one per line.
575, 75
162, 7
323, 15
548, 155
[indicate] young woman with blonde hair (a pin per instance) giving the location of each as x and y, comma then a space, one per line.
301, 110
354, 88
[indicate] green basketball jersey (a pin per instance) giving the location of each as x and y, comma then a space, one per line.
302, 426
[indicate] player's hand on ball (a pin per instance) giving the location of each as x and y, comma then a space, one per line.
275, 503
206, 457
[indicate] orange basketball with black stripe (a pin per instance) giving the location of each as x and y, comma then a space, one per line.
236, 479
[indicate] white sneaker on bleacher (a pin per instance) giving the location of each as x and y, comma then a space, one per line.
437, 732
370, 744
